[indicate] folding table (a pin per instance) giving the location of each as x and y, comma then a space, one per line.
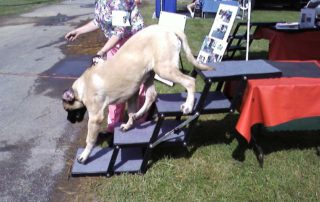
300, 44
276, 101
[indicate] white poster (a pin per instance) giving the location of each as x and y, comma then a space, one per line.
223, 22
307, 18
215, 44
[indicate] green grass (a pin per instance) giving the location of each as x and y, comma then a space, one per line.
208, 172
12, 7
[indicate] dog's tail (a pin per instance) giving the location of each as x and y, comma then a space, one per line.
189, 55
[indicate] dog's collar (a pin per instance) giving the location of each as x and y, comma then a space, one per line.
96, 59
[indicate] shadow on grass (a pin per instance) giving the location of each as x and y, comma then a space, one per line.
257, 55
274, 141
276, 8
221, 132
241, 55
204, 133
266, 141
217, 132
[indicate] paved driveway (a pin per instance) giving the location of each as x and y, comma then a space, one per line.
34, 133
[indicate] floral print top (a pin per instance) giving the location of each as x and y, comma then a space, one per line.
103, 17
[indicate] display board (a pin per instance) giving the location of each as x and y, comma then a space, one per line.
215, 44
307, 18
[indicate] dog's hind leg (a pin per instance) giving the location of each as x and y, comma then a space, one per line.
173, 74
96, 117
150, 97
132, 108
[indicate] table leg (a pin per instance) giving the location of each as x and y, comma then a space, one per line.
256, 147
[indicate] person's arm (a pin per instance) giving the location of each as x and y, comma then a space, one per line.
113, 40
90, 26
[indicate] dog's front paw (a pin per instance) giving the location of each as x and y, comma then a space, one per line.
129, 124
185, 108
125, 127
83, 157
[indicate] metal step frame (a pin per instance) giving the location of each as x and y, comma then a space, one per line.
132, 150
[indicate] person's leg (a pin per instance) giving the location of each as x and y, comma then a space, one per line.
115, 116
190, 7
115, 112
141, 99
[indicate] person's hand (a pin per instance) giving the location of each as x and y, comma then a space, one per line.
71, 36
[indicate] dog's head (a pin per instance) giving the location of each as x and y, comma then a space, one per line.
75, 108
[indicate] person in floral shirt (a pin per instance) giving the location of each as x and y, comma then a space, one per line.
117, 34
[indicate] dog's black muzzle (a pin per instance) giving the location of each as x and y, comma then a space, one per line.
76, 115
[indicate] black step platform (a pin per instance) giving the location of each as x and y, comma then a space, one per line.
141, 134
232, 70
169, 104
128, 160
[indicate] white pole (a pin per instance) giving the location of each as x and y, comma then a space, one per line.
248, 29
243, 9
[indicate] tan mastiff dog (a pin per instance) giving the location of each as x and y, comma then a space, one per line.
154, 49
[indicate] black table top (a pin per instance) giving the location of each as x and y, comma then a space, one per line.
231, 70
297, 69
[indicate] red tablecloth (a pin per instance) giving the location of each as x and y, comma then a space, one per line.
295, 45
275, 101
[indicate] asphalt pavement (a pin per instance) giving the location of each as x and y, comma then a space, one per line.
34, 132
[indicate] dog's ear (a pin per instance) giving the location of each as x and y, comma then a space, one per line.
68, 95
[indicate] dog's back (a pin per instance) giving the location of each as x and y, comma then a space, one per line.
154, 48
143, 51
155, 44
